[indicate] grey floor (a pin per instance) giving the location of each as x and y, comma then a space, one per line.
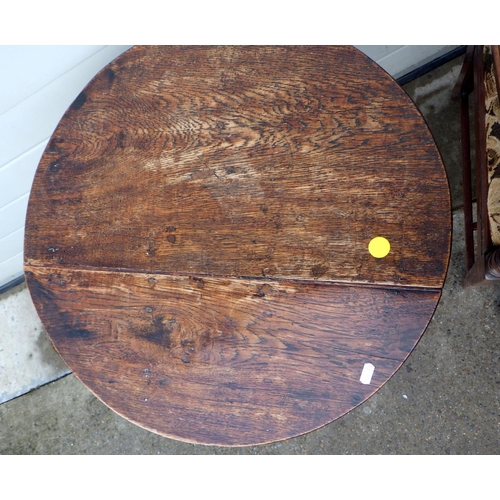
443, 401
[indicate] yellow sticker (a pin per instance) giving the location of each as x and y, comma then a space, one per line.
379, 247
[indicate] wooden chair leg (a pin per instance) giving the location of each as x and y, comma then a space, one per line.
465, 89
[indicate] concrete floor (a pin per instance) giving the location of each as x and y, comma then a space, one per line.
443, 401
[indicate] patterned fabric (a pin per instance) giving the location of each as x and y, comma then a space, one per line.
492, 144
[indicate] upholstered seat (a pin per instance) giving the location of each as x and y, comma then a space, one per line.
492, 123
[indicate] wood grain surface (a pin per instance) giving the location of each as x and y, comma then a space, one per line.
197, 237
227, 361
245, 162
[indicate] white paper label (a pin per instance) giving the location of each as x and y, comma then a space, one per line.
367, 373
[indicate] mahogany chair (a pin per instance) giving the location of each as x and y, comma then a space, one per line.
480, 77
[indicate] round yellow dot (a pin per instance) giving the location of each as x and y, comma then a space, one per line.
379, 247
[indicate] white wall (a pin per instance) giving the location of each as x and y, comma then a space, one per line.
37, 85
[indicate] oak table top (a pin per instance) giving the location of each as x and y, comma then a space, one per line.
198, 231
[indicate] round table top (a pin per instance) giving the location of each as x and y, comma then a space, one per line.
198, 237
